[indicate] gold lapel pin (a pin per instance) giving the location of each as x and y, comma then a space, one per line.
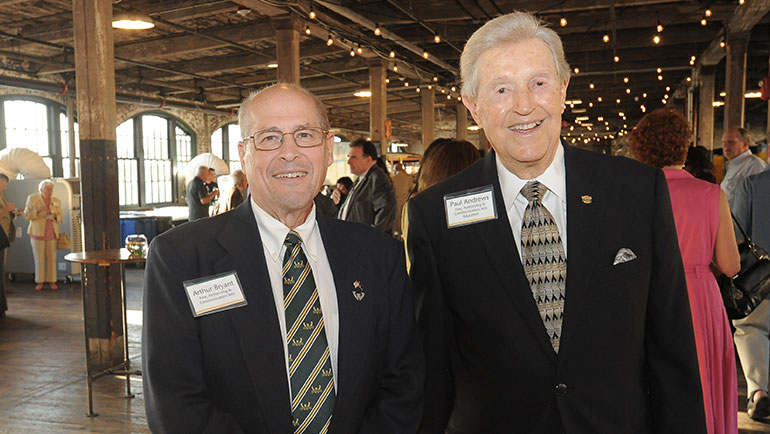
358, 291
586, 199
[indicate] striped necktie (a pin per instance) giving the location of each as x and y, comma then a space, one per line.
545, 263
310, 365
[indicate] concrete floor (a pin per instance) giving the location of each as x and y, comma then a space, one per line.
42, 367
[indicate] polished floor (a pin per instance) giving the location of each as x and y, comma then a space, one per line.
42, 367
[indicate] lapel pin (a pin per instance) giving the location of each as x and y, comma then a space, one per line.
358, 291
586, 199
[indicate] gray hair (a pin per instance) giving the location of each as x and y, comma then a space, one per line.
238, 177
43, 184
244, 116
743, 134
506, 29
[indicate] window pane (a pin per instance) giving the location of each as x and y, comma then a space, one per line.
157, 165
26, 126
216, 143
183, 146
65, 148
125, 136
233, 137
128, 173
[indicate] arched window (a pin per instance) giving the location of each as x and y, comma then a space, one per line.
153, 150
39, 125
224, 144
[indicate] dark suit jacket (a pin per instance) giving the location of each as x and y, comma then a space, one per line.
225, 372
627, 361
373, 202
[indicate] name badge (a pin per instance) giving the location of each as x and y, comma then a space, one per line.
216, 293
470, 206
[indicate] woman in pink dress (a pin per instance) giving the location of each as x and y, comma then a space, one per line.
705, 231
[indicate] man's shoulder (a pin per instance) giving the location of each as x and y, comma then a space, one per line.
353, 233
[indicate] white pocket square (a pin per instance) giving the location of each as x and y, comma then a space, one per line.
624, 255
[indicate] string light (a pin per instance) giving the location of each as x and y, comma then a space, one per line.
435, 79
606, 38
628, 90
625, 79
668, 88
591, 85
311, 14
659, 70
392, 54
599, 99
708, 12
352, 53
330, 41
644, 95
453, 89
577, 70
656, 39
425, 54
659, 27
387, 81
617, 101
437, 39
406, 84
703, 22
377, 31
660, 78
359, 50
616, 59
417, 89
395, 68
563, 22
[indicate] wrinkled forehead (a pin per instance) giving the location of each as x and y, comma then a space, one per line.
282, 109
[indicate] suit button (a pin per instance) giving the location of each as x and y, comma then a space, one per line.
561, 389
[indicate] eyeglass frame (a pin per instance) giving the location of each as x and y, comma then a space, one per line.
252, 137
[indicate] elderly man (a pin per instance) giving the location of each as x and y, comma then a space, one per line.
741, 162
271, 318
752, 334
550, 291
198, 197
371, 201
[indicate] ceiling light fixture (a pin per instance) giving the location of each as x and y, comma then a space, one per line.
132, 21
363, 93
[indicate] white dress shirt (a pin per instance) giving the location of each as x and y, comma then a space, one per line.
554, 199
344, 211
273, 233
738, 169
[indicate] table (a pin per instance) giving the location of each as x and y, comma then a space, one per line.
105, 258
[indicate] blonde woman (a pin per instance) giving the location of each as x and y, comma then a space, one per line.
44, 214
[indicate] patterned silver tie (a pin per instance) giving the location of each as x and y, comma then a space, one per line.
545, 264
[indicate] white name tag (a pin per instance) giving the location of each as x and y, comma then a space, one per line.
216, 293
470, 206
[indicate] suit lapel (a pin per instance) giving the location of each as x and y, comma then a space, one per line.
256, 324
586, 203
356, 322
504, 257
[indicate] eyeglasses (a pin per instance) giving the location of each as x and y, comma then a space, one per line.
270, 140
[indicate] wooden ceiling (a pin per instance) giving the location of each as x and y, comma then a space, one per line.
210, 53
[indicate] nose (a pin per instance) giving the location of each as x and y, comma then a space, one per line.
523, 102
289, 149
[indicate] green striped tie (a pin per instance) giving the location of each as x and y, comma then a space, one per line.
310, 365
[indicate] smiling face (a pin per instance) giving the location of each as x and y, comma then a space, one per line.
519, 103
285, 180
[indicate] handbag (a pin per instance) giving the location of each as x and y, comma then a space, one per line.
63, 242
743, 292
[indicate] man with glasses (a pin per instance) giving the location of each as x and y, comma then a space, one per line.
271, 317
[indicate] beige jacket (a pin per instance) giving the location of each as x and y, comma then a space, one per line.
5, 216
37, 218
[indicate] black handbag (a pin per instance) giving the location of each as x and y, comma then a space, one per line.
743, 292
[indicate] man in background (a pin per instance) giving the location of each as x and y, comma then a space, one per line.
198, 197
371, 201
741, 163
751, 208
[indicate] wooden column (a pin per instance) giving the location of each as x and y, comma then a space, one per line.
427, 107
706, 107
287, 30
378, 103
735, 78
462, 121
95, 80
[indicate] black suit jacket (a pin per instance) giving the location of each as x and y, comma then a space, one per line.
627, 361
373, 202
225, 372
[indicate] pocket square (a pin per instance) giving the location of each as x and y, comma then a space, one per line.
624, 255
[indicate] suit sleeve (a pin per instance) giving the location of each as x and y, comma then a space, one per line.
383, 202
398, 406
176, 396
434, 324
672, 365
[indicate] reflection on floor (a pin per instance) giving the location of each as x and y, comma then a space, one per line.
42, 367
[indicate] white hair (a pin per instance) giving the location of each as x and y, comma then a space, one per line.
43, 184
506, 29
244, 115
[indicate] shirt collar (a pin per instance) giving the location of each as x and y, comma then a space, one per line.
273, 233
745, 154
553, 178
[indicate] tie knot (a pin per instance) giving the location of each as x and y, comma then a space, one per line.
533, 191
292, 239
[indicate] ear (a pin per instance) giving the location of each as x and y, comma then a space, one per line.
563, 94
472, 107
329, 144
